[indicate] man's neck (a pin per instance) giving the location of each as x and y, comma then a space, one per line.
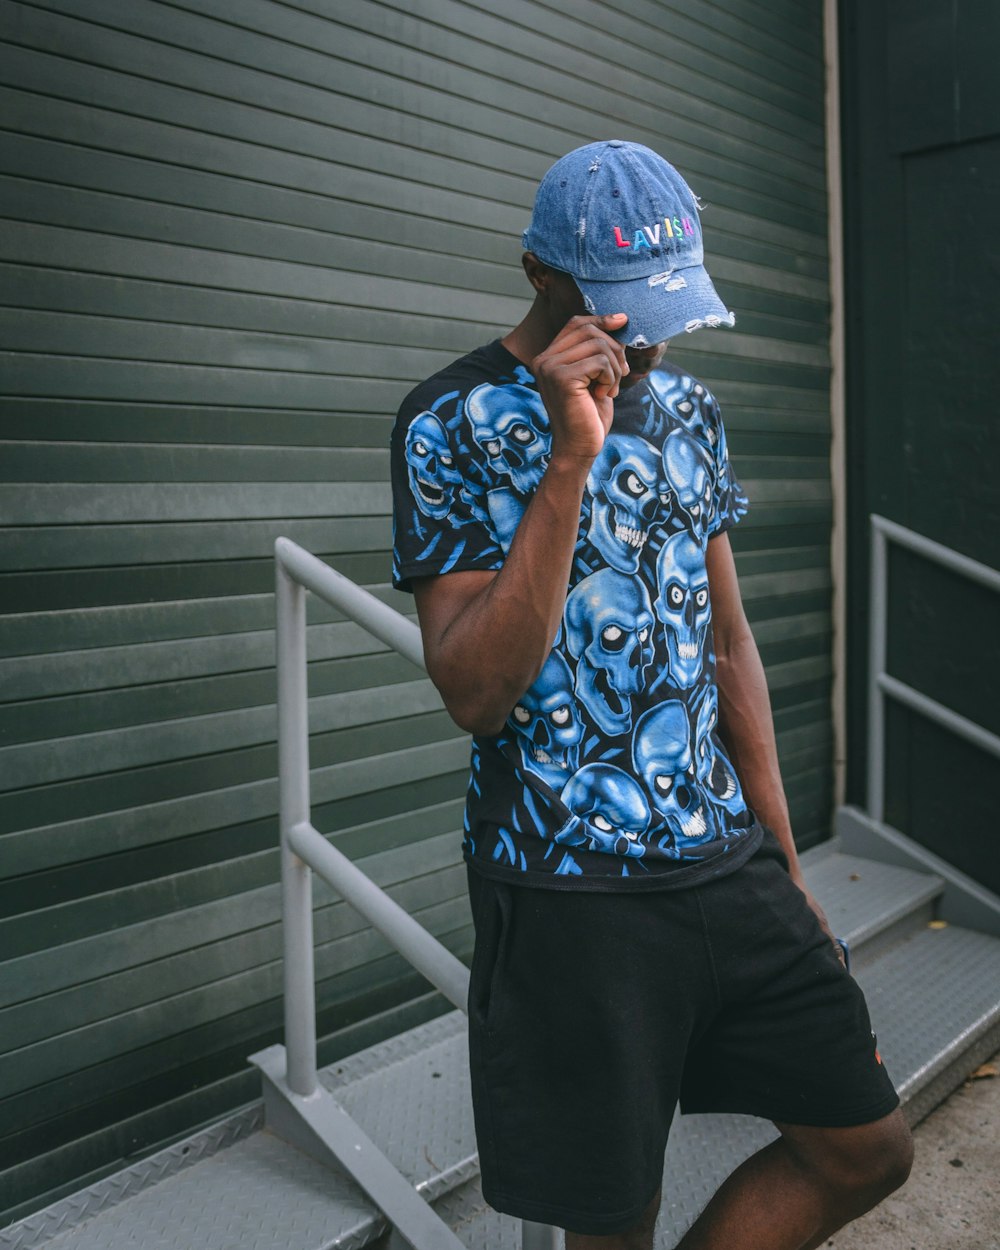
531, 337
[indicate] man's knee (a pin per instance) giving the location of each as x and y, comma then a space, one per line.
858, 1166
887, 1155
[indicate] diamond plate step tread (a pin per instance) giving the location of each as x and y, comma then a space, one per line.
863, 898
418, 1111
435, 1150
382, 1055
475, 1223
38, 1229
260, 1194
932, 1000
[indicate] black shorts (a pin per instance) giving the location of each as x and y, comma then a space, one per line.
592, 1014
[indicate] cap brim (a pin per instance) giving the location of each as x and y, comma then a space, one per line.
661, 307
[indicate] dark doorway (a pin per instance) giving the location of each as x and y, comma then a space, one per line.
922, 216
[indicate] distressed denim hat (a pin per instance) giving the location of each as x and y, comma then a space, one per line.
622, 221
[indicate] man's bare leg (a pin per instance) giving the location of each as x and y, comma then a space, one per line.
798, 1190
792, 1195
638, 1238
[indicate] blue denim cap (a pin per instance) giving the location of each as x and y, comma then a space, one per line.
624, 223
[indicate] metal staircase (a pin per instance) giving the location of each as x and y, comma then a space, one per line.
379, 1150
934, 992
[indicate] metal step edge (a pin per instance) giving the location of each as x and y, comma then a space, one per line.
341, 1076
473, 1221
77, 1210
381, 1056
964, 902
939, 992
958, 983
954, 1069
875, 937
894, 901
42, 1226
438, 1193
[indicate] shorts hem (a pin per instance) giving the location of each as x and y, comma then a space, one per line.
587, 1224
821, 1118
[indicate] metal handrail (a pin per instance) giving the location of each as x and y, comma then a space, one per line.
304, 849
880, 684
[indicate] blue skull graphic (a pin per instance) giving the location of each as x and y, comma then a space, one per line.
683, 605
434, 480
511, 426
613, 806
548, 724
505, 511
609, 631
684, 399
689, 471
626, 489
715, 772
662, 755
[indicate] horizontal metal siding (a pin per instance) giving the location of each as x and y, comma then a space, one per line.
234, 236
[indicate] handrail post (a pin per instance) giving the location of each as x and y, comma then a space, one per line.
877, 651
296, 877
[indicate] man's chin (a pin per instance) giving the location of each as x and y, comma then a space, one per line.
642, 362
633, 379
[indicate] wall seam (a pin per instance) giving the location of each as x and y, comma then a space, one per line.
838, 450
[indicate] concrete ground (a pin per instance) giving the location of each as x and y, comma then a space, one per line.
952, 1199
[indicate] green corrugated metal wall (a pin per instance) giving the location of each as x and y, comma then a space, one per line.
234, 236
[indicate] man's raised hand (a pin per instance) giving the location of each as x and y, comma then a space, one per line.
578, 376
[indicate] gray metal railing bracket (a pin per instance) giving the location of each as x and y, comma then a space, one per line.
317, 1125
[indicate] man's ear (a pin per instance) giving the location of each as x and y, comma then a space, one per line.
538, 272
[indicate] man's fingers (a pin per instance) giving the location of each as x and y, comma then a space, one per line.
579, 329
575, 350
577, 358
596, 370
583, 345
616, 320
582, 367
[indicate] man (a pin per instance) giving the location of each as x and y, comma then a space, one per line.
643, 933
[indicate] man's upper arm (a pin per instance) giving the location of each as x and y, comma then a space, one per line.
440, 600
729, 622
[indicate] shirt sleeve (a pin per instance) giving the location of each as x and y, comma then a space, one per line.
729, 500
441, 515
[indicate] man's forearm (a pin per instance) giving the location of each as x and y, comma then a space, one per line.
487, 636
746, 727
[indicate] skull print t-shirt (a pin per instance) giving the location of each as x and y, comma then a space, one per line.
609, 772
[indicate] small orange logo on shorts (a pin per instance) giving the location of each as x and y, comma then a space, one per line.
878, 1057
